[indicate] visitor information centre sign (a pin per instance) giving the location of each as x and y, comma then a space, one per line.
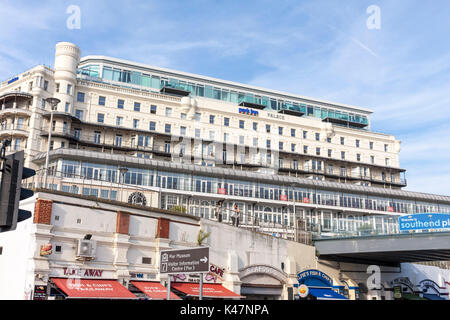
424, 221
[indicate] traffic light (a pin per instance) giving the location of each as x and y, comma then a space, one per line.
11, 191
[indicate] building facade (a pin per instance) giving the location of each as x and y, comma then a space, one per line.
163, 138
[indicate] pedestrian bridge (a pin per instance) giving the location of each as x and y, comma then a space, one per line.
388, 250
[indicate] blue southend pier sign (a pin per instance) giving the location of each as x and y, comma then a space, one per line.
424, 221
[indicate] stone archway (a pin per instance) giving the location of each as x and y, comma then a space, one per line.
262, 282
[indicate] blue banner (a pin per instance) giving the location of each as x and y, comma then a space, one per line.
424, 221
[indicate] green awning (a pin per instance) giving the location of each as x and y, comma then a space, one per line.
409, 296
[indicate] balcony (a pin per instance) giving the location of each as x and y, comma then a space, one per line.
347, 121
100, 141
174, 89
9, 129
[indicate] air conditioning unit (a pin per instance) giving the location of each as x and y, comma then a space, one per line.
85, 249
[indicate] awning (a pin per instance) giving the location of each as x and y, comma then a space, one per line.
410, 296
210, 290
432, 297
99, 289
154, 290
325, 294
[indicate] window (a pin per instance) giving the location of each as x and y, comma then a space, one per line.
385, 148
211, 119
67, 107
328, 139
119, 121
45, 85
305, 134
372, 159
317, 136
255, 126
137, 106
57, 248
241, 140
146, 260
97, 136
152, 126
226, 122
168, 112
135, 123
153, 109
17, 144
167, 146
183, 116
120, 103
387, 161
268, 128
79, 114
197, 133
357, 143
343, 155
241, 124
101, 118
80, 96
69, 89
197, 116
293, 147
56, 88
305, 149
318, 151
101, 101
280, 131
182, 131
280, 145
342, 140
211, 135
371, 145
226, 136
118, 140
292, 132
167, 128
255, 142
52, 143
358, 157
268, 144
329, 152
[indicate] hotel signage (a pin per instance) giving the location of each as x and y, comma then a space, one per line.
424, 221
249, 111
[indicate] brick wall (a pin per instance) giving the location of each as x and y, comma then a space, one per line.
123, 222
163, 228
43, 211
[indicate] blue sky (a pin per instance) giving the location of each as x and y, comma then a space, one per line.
319, 48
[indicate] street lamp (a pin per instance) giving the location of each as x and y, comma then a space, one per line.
53, 103
122, 171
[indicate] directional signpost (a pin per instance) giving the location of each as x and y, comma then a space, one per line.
185, 261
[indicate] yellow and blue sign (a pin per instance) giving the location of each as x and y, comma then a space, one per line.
424, 221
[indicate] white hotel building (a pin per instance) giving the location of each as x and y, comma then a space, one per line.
132, 132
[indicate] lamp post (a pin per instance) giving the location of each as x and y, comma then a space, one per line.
53, 103
122, 170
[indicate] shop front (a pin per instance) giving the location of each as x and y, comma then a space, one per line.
316, 285
432, 291
404, 289
77, 283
